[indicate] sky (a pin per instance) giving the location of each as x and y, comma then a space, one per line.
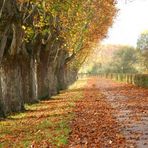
131, 20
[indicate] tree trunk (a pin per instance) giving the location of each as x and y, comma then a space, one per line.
11, 86
33, 80
43, 77
3, 42
2, 110
26, 78
52, 81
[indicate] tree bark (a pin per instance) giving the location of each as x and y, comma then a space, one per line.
33, 80
11, 86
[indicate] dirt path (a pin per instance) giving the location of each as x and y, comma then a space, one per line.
94, 125
111, 115
131, 110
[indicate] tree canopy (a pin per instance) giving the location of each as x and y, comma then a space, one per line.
142, 46
43, 43
142, 42
77, 24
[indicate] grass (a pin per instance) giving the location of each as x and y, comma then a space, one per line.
43, 124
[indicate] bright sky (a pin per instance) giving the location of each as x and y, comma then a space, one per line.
132, 19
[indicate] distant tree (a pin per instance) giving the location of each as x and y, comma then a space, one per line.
116, 59
142, 42
124, 60
96, 68
142, 46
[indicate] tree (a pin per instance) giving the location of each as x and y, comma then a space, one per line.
142, 42
124, 60
142, 46
43, 43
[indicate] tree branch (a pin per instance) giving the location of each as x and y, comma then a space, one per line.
2, 8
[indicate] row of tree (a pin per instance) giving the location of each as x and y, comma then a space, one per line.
43, 43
